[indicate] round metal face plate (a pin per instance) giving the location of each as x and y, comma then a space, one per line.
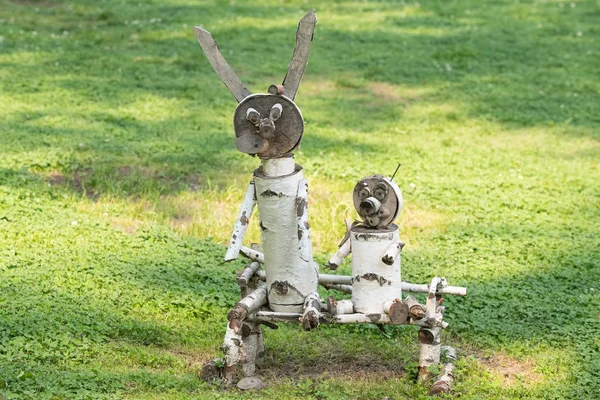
288, 127
383, 189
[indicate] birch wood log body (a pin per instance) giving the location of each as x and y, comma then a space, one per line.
340, 306
344, 280
247, 274
341, 288
241, 224
340, 255
374, 282
356, 318
250, 303
311, 314
242, 347
234, 352
252, 343
416, 288
430, 349
253, 255
291, 274
443, 383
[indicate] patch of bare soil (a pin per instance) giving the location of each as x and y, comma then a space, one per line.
511, 370
360, 366
272, 366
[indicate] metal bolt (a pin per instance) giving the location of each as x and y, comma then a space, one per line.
253, 116
276, 111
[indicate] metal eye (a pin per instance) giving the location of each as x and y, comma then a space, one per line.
380, 192
253, 116
276, 111
364, 192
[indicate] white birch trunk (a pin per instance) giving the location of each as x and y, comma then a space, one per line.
278, 167
255, 300
328, 279
339, 307
233, 351
291, 276
252, 254
271, 316
416, 310
312, 312
348, 318
443, 383
251, 343
241, 224
260, 341
376, 318
392, 253
248, 273
374, 282
425, 323
340, 255
248, 304
340, 288
305, 245
242, 347
431, 302
416, 288
430, 350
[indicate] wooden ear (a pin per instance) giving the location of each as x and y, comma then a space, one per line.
304, 36
229, 78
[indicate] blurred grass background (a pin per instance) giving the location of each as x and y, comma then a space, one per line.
119, 184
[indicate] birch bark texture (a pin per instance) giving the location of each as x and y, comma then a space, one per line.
291, 273
241, 223
374, 281
430, 339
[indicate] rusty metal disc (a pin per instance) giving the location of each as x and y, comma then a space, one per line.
378, 200
287, 122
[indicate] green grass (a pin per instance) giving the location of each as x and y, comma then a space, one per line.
119, 184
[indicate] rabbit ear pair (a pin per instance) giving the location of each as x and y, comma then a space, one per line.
268, 125
291, 82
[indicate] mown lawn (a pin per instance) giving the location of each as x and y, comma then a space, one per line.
119, 184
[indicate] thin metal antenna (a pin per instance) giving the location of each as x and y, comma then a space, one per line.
397, 168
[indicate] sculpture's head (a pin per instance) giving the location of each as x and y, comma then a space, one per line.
268, 125
377, 200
